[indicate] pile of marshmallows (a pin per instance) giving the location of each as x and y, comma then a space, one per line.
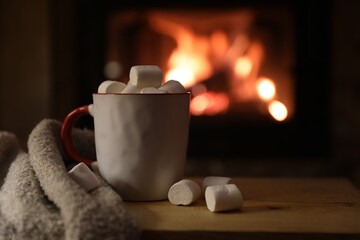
142, 79
220, 195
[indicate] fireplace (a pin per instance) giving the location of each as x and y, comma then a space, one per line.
257, 70
227, 59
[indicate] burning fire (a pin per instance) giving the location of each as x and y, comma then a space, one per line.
198, 56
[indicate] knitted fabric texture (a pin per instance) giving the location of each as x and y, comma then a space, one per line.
38, 200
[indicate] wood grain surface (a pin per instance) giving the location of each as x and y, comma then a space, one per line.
274, 208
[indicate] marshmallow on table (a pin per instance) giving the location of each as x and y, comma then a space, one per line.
152, 90
173, 86
145, 76
110, 86
184, 192
214, 180
84, 177
223, 198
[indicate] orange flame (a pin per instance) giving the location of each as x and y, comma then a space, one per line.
243, 67
188, 63
245, 71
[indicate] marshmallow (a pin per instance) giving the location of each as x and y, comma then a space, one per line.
173, 86
95, 167
145, 76
110, 86
213, 180
131, 89
84, 177
151, 90
223, 198
184, 192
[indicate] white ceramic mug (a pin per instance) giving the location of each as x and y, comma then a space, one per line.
141, 141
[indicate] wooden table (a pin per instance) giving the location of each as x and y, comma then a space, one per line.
274, 208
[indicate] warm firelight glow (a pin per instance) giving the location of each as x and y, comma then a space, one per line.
182, 74
278, 110
209, 103
243, 67
219, 46
266, 89
188, 66
216, 55
188, 62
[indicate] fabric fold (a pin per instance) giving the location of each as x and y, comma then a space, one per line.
38, 200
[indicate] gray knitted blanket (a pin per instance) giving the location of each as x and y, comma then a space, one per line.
38, 200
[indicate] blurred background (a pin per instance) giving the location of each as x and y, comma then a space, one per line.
275, 84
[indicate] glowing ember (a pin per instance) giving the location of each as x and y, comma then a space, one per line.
278, 110
266, 89
243, 67
209, 103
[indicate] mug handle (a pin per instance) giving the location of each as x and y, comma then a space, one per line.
65, 134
